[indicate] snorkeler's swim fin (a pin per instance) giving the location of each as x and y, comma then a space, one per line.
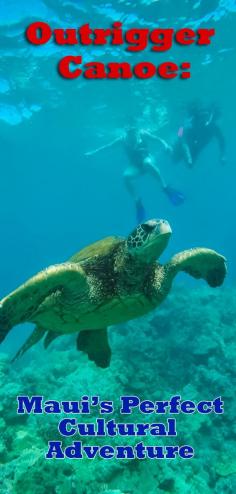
176, 197
140, 211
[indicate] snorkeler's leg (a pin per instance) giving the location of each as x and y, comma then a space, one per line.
174, 195
129, 176
152, 169
129, 184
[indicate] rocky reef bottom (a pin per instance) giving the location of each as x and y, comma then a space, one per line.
187, 347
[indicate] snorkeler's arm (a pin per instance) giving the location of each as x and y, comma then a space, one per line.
106, 146
166, 146
221, 141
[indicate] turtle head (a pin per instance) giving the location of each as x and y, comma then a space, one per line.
149, 239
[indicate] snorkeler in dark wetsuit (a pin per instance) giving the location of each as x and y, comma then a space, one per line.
135, 144
200, 129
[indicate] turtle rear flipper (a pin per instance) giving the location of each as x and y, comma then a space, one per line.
95, 344
35, 336
49, 338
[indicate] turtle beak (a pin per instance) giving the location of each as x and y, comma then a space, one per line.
158, 239
162, 227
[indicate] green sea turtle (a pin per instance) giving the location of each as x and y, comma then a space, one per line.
109, 282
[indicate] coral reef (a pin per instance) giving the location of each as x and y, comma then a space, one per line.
186, 347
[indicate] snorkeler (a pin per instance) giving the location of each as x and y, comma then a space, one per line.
135, 144
200, 129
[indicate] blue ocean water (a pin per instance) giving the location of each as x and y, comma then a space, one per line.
54, 200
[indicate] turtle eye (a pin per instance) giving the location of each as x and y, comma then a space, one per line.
147, 227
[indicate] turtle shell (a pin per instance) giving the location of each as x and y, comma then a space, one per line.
102, 248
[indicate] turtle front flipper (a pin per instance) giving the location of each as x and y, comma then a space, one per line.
95, 344
20, 305
200, 263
